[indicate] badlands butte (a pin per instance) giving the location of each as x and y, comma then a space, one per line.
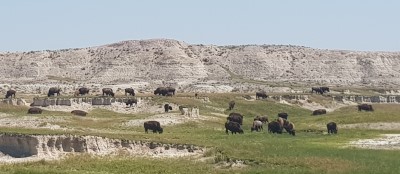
146, 64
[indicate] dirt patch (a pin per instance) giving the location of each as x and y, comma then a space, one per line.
373, 126
386, 141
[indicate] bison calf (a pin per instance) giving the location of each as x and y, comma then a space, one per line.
332, 128
79, 112
34, 111
153, 125
257, 125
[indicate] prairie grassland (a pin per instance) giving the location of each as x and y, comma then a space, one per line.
310, 151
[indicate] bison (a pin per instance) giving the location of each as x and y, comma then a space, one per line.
274, 127
332, 128
231, 105
130, 91
167, 107
79, 112
324, 89
83, 91
53, 90
235, 117
154, 126
263, 119
283, 115
34, 111
10, 93
257, 125
365, 107
261, 94
131, 101
319, 112
164, 91
108, 92
234, 127
289, 127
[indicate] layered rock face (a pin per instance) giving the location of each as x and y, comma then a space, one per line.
167, 62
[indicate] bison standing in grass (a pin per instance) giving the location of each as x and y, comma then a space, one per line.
274, 127
261, 94
79, 112
235, 117
319, 112
231, 105
365, 107
83, 91
108, 92
34, 111
332, 128
131, 101
234, 127
10, 93
130, 91
53, 91
257, 125
154, 126
263, 119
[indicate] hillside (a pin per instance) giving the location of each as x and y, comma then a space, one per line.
198, 67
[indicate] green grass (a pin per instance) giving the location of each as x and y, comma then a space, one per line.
307, 152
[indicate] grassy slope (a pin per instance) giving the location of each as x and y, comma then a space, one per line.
307, 152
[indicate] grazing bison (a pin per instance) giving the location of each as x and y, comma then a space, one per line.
153, 125
332, 128
83, 91
365, 107
289, 127
34, 111
263, 119
231, 105
79, 112
261, 94
257, 125
317, 90
167, 107
274, 127
130, 91
324, 89
319, 112
283, 115
234, 127
235, 117
53, 90
164, 91
131, 101
281, 121
108, 92
10, 93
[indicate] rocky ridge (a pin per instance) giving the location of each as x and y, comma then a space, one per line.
150, 63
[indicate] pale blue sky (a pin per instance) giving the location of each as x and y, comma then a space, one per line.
336, 24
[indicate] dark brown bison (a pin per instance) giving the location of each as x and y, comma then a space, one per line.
79, 112
34, 111
274, 127
332, 128
235, 117
324, 89
154, 126
319, 112
131, 101
231, 105
164, 91
365, 107
167, 107
263, 119
257, 125
319, 90
10, 93
195, 95
130, 91
234, 127
283, 115
83, 91
53, 90
261, 94
108, 92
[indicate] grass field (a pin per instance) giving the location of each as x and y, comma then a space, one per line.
310, 151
